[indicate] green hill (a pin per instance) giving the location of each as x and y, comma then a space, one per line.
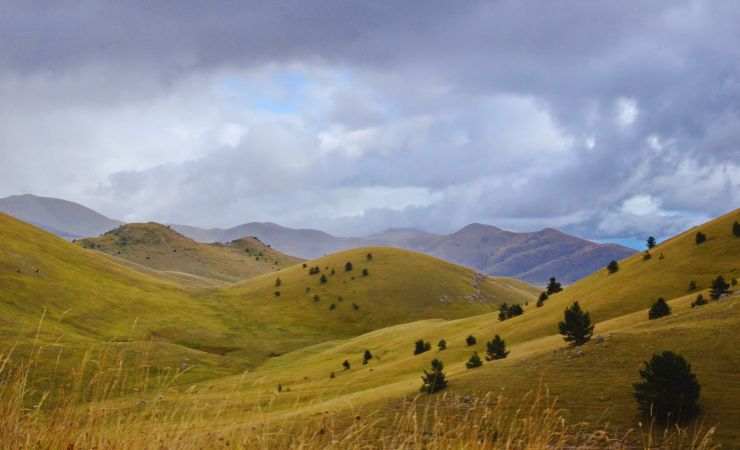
160, 248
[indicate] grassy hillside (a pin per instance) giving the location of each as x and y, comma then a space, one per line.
159, 247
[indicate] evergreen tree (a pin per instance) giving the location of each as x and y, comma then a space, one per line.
496, 349
699, 301
346, 365
369, 256
323, 279
471, 340
421, 346
613, 267
553, 287
542, 299
651, 243
442, 345
700, 238
348, 267
435, 380
646, 256
503, 312
659, 309
692, 285
277, 293
474, 361
366, 357
515, 310
719, 288
332, 307
736, 229
278, 282
364, 272
669, 391
576, 327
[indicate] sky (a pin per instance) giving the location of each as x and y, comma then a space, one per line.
610, 120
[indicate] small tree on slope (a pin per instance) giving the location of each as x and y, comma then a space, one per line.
719, 287
651, 243
496, 349
576, 326
553, 287
669, 391
435, 380
474, 361
659, 309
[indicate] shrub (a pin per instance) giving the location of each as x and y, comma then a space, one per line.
277, 293
278, 282
348, 267
474, 361
553, 287
651, 243
612, 267
435, 380
542, 299
314, 270
421, 346
366, 357
316, 298
323, 279
700, 238
364, 272
346, 365
734, 281
471, 340
669, 391
719, 288
332, 307
369, 257
736, 229
355, 306
442, 345
659, 309
692, 285
496, 349
646, 256
699, 301
576, 326
515, 310
507, 312
331, 375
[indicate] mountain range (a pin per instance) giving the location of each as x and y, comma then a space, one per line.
531, 256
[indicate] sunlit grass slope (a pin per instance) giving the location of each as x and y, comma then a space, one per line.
161, 248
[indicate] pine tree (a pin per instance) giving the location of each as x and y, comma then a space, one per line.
736, 229
669, 391
503, 312
542, 299
365, 272
576, 327
553, 287
471, 340
366, 357
692, 285
719, 288
435, 380
442, 345
421, 346
369, 256
659, 309
612, 267
323, 279
348, 267
646, 256
278, 282
496, 349
515, 310
346, 365
699, 301
474, 361
700, 238
651, 243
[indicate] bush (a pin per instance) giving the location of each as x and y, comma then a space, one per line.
332, 307
369, 257
435, 380
346, 365
316, 298
576, 326
355, 306
471, 340
364, 272
700, 238
421, 346
669, 391
553, 287
719, 288
646, 256
474, 361
651, 243
699, 301
323, 279
736, 229
659, 309
278, 282
612, 267
496, 349
442, 345
734, 282
542, 299
348, 267
277, 293
314, 270
692, 285
366, 357
507, 312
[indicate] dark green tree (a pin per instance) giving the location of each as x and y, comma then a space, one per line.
651, 243
366, 357
553, 287
692, 285
369, 256
515, 310
700, 238
496, 349
277, 293
659, 309
435, 380
278, 282
613, 267
346, 365
543, 298
736, 229
474, 361
669, 391
576, 326
421, 346
442, 345
332, 307
700, 301
503, 312
719, 288
364, 272
646, 256
348, 267
323, 279
471, 340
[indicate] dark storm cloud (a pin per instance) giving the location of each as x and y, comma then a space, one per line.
609, 119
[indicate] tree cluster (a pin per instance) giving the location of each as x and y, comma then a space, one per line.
507, 312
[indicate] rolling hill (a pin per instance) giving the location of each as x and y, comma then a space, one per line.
159, 247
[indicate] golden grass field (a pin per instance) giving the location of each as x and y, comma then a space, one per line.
202, 365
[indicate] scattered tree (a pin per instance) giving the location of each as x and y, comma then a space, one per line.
323, 279
651, 243
346, 365
364, 272
659, 309
421, 346
280, 388
612, 267
474, 361
435, 380
316, 298
278, 282
719, 288
277, 293
348, 267
314, 270
700, 301
369, 256
366, 357
507, 312
700, 238
542, 299
736, 229
442, 345
576, 326
471, 340
516, 310
331, 375
669, 390
332, 307
553, 287
692, 285
496, 349
646, 255
734, 281
333, 271
355, 306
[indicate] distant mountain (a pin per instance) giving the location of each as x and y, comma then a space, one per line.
61, 217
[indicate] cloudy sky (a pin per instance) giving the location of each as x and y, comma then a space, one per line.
611, 120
